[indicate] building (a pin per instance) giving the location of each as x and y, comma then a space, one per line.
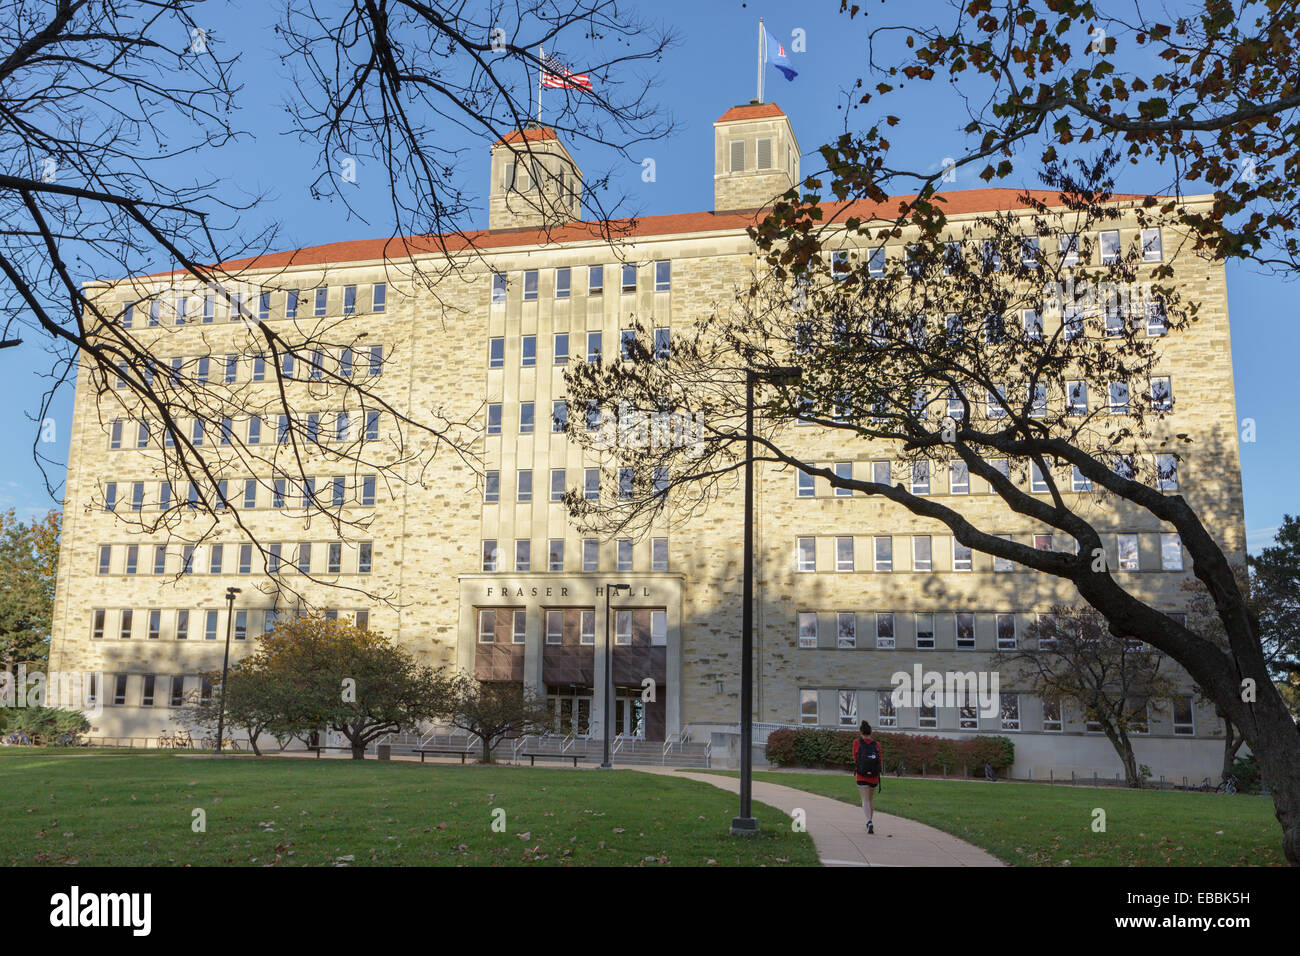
486, 572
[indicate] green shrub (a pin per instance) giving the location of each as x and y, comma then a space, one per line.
824, 747
1246, 770
42, 725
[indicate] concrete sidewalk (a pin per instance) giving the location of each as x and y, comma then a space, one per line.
839, 831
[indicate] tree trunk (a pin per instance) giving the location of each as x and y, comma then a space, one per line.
1124, 748
487, 750
253, 734
1276, 746
1232, 742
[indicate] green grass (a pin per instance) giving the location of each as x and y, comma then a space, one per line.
1041, 825
137, 809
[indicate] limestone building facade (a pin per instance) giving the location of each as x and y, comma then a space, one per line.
481, 568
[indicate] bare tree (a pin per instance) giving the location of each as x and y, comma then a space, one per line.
1115, 683
109, 258
944, 357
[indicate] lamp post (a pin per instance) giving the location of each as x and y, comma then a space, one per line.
225, 665
745, 823
609, 673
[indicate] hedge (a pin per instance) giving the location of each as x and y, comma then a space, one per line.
822, 747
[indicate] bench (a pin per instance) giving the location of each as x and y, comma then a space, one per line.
532, 758
441, 752
321, 747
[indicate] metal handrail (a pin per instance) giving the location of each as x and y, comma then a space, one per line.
568, 742
617, 744
520, 744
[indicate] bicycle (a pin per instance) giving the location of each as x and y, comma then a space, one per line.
18, 739
1229, 785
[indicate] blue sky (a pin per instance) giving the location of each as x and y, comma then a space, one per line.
712, 68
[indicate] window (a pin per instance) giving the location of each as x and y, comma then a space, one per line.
322, 297
1003, 564
1033, 325
215, 554
105, 558
591, 484
961, 556
595, 280
165, 496
245, 559
1052, 716
1162, 395
807, 632
334, 557
1010, 711
1157, 320
1171, 552
177, 697
1048, 631
844, 553
525, 418
561, 348
622, 627
519, 628
624, 554
557, 484
1037, 480
1038, 401
886, 716
804, 486
115, 435
995, 328
626, 344
494, 418
593, 416
555, 554
885, 631
996, 403
629, 278
663, 344
528, 351
490, 555
1166, 472
921, 555
884, 553
806, 554
303, 562
97, 624
559, 415
1043, 542
487, 626
524, 485
658, 554
187, 559
920, 477
925, 631
349, 299
1128, 552
843, 470
1184, 721
1006, 630
590, 554
958, 478
663, 275
1119, 398
365, 556
1109, 247
846, 630
210, 625
1076, 398
990, 256
554, 627
496, 353
927, 716
876, 261
1123, 466
658, 628
1029, 251
965, 622
119, 690
1151, 245
587, 626
530, 285
593, 346
1079, 481
523, 554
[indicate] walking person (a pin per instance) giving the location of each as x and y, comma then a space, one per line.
867, 764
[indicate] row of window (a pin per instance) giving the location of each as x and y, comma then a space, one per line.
925, 717
840, 552
627, 479
624, 555
661, 271
336, 491
248, 303
315, 427
926, 630
306, 366
327, 557
314, 494
183, 624
762, 149
919, 476
560, 342
1069, 249
502, 625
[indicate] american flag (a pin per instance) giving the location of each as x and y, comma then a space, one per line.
557, 76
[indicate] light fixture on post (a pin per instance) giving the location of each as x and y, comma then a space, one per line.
609, 674
745, 823
225, 664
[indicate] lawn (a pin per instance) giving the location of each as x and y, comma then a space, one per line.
138, 810
1041, 825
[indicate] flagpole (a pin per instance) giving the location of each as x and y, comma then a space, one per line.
539, 84
760, 59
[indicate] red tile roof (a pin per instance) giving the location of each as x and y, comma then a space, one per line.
956, 202
750, 111
532, 133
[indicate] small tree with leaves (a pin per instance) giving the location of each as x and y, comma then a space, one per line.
495, 710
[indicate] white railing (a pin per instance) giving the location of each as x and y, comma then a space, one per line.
617, 745
568, 742
520, 744
708, 754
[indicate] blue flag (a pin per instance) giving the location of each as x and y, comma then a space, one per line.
774, 55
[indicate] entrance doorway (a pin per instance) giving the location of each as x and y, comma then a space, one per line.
571, 713
629, 714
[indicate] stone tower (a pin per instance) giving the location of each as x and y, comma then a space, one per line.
535, 181
755, 156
